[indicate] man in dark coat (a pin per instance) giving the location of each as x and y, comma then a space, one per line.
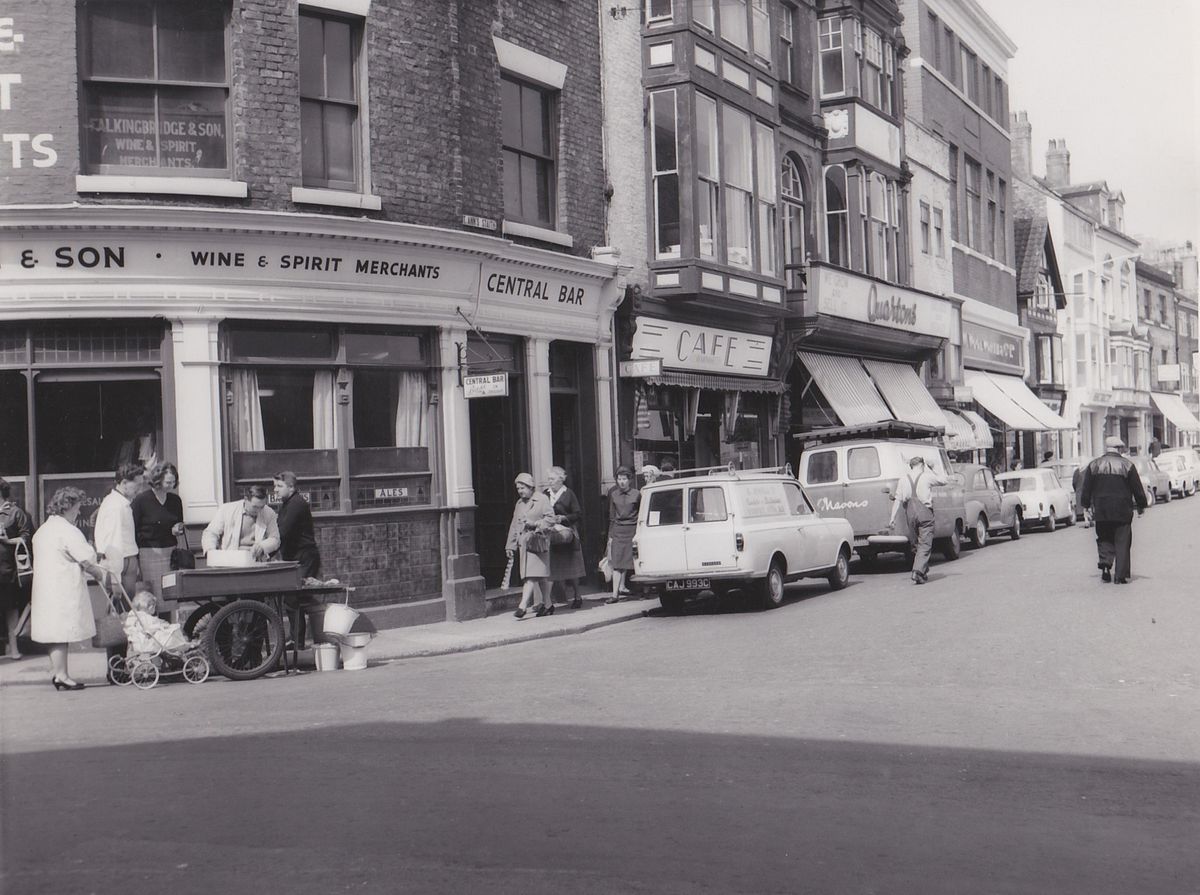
1111, 488
297, 539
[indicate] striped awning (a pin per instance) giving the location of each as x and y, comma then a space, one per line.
983, 432
847, 387
717, 383
1173, 408
959, 434
1009, 399
905, 393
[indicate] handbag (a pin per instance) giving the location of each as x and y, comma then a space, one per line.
536, 541
605, 568
561, 534
183, 557
24, 563
110, 627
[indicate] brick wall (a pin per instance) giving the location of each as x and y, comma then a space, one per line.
387, 559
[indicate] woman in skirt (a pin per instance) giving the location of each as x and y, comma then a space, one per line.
566, 560
528, 534
157, 524
623, 500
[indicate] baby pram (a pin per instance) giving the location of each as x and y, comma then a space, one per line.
148, 658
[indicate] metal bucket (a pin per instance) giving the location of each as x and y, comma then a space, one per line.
326, 655
354, 658
339, 618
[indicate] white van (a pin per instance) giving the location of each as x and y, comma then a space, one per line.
726, 529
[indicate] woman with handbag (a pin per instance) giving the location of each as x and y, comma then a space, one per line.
157, 525
528, 534
62, 610
623, 501
566, 549
16, 531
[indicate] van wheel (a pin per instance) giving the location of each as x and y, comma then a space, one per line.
672, 604
771, 588
841, 570
979, 534
1051, 521
952, 546
1015, 531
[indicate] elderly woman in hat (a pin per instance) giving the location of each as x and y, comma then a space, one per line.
623, 500
532, 519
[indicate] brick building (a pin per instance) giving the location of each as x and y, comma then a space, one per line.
247, 236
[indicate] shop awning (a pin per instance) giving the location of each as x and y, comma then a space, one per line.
905, 393
983, 432
1010, 399
959, 434
1176, 411
847, 388
717, 383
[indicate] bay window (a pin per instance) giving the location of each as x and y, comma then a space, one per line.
735, 25
878, 224
329, 101
737, 148
765, 173
837, 233
872, 71
155, 87
1049, 360
708, 174
760, 25
794, 224
702, 13
664, 157
658, 12
829, 45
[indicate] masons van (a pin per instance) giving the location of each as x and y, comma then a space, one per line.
855, 478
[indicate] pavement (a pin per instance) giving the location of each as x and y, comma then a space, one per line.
87, 664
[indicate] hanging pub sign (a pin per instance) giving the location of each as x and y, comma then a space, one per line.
486, 385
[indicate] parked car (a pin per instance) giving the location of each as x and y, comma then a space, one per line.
856, 479
1044, 500
989, 509
728, 530
1155, 482
1065, 470
1183, 468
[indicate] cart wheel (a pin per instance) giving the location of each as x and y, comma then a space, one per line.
199, 620
118, 671
144, 675
244, 640
195, 670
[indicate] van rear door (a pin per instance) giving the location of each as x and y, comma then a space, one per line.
708, 534
660, 547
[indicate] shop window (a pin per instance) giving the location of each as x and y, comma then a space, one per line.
258, 342
665, 173
837, 234
391, 409
329, 101
14, 425
862, 463
795, 225
666, 508
105, 345
282, 410
95, 425
529, 150
829, 44
155, 87
707, 505
823, 468
708, 173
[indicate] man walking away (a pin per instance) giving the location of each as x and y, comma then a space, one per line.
1111, 487
915, 493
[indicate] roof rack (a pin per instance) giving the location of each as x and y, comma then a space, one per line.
725, 469
883, 429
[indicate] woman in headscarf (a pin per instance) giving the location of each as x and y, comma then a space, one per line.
532, 519
566, 560
623, 500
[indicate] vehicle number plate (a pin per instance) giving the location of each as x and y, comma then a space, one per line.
688, 584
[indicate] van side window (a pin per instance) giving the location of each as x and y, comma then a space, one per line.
706, 505
822, 468
796, 502
862, 463
666, 508
989, 481
980, 481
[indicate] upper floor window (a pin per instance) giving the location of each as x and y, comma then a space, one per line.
708, 172
664, 157
1002, 231
658, 11
155, 87
766, 201
926, 238
879, 225
529, 149
974, 172
735, 24
878, 67
939, 233
329, 100
787, 47
829, 44
760, 30
970, 76
837, 233
794, 221
702, 13
737, 146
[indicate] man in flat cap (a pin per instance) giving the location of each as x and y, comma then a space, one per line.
1111, 488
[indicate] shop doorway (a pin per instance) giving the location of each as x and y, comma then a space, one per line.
573, 436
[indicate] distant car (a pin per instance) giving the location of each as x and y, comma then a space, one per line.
1065, 470
1183, 468
1044, 500
989, 509
726, 530
1155, 482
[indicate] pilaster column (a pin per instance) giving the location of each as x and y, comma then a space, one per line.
456, 422
537, 396
198, 405
606, 418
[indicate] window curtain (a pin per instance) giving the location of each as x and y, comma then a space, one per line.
412, 410
247, 412
324, 427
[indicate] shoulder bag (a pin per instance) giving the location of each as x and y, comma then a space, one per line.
110, 627
182, 557
24, 563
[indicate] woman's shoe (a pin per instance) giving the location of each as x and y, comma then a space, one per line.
63, 685
577, 603
548, 610
539, 610
520, 613
613, 600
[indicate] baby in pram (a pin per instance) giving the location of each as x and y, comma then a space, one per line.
150, 635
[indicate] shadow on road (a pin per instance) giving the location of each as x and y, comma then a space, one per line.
465, 806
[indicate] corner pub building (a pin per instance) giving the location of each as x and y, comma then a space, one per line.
253, 236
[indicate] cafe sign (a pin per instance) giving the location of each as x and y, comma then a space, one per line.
840, 293
688, 346
984, 348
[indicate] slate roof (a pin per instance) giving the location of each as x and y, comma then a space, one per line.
1031, 238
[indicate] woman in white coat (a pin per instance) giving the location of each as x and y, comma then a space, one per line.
62, 610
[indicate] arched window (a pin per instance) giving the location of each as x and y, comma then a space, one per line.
837, 235
794, 223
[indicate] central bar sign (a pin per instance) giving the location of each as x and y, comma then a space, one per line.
486, 385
